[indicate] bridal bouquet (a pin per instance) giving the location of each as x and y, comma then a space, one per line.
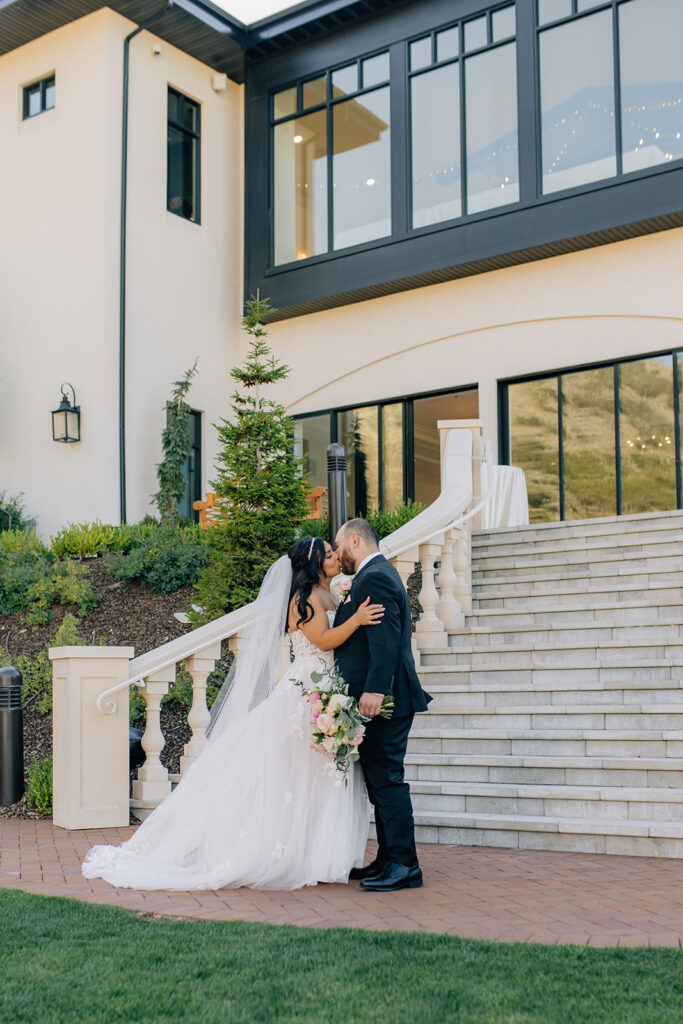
337, 727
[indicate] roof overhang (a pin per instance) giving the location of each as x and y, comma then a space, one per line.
197, 27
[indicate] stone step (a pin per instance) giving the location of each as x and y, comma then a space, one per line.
528, 832
609, 561
612, 613
541, 544
572, 579
590, 597
429, 738
596, 803
626, 696
634, 772
594, 633
561, 676
604, 653
585, 527
454, 714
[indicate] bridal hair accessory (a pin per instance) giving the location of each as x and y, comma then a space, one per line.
310, 550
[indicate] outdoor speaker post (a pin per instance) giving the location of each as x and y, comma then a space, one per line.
336, 487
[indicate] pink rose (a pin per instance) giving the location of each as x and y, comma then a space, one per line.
323, 722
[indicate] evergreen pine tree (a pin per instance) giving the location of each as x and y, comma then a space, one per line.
176, 446
261, 494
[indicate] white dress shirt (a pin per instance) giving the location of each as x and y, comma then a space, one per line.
367, 559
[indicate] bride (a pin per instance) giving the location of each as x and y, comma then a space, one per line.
259, 807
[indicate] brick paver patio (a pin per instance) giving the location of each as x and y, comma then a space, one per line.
475, 892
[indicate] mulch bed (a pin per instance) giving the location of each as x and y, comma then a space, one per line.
132, 617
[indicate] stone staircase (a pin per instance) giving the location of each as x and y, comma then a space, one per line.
557, 720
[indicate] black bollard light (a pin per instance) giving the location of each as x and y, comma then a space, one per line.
11, 737
336, 487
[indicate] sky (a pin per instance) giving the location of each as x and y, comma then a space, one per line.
252, 10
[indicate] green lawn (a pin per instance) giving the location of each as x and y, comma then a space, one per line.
65, 962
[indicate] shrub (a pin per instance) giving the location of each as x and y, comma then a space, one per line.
24, 563
14, 504
385, 522
39, 789
176, 446
79, 540
169, 558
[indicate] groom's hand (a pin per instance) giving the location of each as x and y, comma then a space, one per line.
370, 704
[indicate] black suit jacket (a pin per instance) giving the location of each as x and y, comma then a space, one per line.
379, 659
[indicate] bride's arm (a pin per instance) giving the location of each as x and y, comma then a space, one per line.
326, 637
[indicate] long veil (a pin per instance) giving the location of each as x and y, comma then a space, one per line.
254, 672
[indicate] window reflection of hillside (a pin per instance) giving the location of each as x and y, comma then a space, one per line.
648, 453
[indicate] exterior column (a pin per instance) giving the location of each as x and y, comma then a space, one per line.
199, 666
153, 782
90, 749
429, 629
448, 608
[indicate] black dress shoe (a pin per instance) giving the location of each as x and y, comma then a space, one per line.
369, 871
394, 877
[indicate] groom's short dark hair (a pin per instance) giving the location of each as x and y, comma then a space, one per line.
364, 530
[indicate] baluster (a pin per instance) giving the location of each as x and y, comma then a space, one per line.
463, 568
429, 630
199, 666
153, 782
448, 608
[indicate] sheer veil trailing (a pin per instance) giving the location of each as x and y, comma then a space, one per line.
254, 672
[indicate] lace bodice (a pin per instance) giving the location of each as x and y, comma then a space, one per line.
304, 648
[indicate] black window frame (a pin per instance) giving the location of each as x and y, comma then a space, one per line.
43, 84
461, 59
195, 136
328, 105
616, 364
407, 402
635, 203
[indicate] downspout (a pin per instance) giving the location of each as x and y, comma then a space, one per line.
122, 259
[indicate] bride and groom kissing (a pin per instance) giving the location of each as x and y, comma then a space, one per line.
260, 806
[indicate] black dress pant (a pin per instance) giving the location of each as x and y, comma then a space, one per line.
382, 754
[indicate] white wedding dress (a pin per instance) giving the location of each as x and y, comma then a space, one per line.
260, 809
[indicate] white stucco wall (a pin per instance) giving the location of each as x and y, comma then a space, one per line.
603, 303
59, 266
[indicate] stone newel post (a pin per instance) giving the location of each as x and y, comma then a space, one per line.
90, 750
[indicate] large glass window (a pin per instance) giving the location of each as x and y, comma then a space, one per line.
534, 444
392, 447
577, 102
322, 204
357, 430
651, 72
491, 128
599, 441
648, 433
311, 438
361, 169
300, 226
590, 481
474, 98
182, 182
458, 405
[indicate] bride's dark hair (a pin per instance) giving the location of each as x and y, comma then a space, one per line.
307, 557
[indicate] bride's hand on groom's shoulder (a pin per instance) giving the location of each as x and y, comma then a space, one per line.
367, 614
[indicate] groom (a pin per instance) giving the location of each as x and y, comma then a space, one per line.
375, 662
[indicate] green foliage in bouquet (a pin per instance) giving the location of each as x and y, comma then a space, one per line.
261, 494
39, 788
176, 446
170, 557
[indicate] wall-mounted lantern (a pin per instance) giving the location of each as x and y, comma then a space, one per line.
66, 421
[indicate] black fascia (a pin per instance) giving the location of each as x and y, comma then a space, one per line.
535, 228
